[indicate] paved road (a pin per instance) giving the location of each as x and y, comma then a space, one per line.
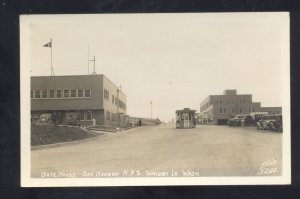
205, 150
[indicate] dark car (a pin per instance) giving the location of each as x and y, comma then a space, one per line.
277, 124
266, 122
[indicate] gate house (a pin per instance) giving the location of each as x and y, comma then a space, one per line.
92, 97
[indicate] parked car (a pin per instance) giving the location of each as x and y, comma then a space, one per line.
237, 120
256, 116
266, 122
277, 124
45, 118
71, 118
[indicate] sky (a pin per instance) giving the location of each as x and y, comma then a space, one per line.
173, 60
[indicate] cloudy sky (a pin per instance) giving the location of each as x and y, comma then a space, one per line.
173, 60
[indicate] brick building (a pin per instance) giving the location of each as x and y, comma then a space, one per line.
219, 108
89, 96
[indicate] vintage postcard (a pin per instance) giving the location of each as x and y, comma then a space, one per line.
155, 99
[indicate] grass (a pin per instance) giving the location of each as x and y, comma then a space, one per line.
50, 134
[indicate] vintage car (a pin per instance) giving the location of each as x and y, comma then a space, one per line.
45, 118
240, 120
277, 124
266, 122
236, 121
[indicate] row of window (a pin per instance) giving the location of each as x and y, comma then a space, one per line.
230, 101
114, 100
60, 93
221, 101
234, 110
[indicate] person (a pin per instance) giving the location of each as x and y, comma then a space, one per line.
140, 122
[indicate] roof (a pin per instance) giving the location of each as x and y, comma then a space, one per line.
185, 110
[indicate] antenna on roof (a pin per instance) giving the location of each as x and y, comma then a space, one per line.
94, 60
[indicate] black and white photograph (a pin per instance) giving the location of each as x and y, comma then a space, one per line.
155, 99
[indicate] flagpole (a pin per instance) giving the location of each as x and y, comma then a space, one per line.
51, 58
151, 109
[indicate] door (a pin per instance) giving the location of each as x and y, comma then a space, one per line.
186, 120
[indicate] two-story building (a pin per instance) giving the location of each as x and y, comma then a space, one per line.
91, 97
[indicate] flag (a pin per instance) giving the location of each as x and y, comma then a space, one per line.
49, 44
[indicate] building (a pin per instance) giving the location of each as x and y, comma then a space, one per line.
271, 110
91, 97
219, 108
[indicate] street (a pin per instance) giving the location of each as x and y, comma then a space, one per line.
150, 151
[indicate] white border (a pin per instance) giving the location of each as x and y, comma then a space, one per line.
27, 181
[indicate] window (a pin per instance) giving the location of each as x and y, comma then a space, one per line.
221, 110
253, 109
112, 99
31, 94
89, 115
87, 92
107, 115
228, 101
224, 110
233, 110
58, 94
241, 110
249, 110
73, 93
37, 94
44, 94
244, 101
221, 101
66, 93
106, 94
80, 93
51, 94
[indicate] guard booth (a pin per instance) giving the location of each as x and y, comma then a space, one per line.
185, 118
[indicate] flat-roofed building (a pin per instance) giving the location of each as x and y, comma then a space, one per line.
220, 108
91, 97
